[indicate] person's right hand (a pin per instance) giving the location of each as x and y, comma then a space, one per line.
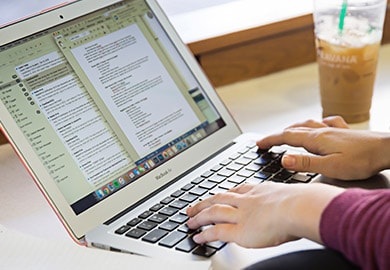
339, 152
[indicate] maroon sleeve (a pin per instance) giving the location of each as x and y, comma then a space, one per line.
357, 223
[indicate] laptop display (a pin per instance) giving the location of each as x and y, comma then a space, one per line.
103, 100
106, 106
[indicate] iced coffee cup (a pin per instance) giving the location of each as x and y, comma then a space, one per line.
348, 34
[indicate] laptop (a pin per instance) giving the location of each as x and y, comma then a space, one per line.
120, 128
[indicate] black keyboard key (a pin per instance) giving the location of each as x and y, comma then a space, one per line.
252, 145
253, 167
216, 168
136, 233
177, 193
274, 179
134, 222
188, 187
155, 236
198, 191
274, 155
254, 181
204, 251
207, 184
158, 218
262, 161
245, 173
236, 179
205, 196
262, 175
186, 245
243, 150
156, 207
272, 169
123, 229
183, 211
146, 214
301, 177
217, 178
188, 198
179, 218
243, 161
234, 167
147, 225
197, 180
207, 174
178, 204
167, 200
235, 156
283, 175
262, 151
216, 244
227, 185
169, 226
168, 211
225, 162
217, 190
185, 229
172, 239
252, 155
225, 172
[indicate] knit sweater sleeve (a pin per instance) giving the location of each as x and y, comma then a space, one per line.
357, 223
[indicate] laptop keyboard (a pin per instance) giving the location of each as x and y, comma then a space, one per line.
165, 223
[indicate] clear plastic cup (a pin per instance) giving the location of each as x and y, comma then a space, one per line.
348, 36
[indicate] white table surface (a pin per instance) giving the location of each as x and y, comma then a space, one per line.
263, 105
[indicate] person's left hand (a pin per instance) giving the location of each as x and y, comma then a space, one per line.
262, 215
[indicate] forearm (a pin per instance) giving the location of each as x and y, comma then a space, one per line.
356, 223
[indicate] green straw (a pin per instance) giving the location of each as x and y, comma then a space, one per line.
343, 12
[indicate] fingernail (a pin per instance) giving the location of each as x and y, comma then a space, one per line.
196, 238
288, 161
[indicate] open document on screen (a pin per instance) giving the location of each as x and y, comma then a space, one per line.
103, 100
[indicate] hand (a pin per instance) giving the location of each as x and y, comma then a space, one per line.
339, 152
263, 215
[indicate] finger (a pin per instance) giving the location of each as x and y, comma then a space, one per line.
291, 136
242, 189
308, 123
215, 214
335, 121
228, 198
219, 232
309, 163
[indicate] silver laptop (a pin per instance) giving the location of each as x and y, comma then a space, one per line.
119, 127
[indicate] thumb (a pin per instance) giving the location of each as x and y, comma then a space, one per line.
301, 163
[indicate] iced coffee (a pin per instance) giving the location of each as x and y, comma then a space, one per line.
347, 57
347, 77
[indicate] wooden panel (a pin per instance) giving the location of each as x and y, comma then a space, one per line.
247, 35
260, 51
259, 57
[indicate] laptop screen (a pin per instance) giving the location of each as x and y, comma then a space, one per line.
103, 100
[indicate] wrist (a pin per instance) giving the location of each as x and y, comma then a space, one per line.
305, 208
384, 151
